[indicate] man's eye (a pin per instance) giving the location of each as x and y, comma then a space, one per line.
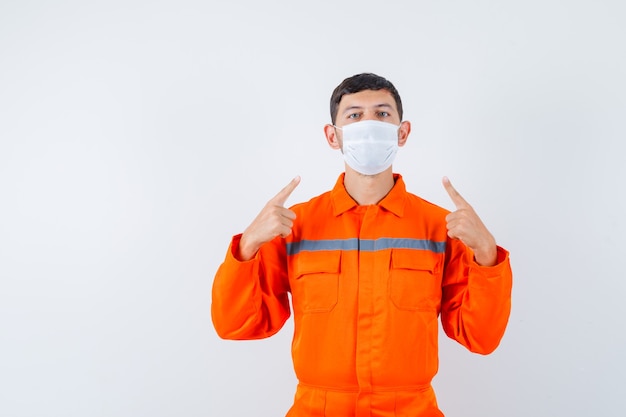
384, 114
353, 116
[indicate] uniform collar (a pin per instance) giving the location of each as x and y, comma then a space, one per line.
394, 201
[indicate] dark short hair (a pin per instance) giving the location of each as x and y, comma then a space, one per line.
360, 82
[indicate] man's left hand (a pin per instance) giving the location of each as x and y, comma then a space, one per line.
465, 225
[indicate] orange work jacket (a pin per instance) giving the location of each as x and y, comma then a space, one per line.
368, 284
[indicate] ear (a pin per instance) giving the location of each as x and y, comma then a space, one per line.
403, 134
331, 136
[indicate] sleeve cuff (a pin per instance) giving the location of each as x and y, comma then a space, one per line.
233, 249
502, 263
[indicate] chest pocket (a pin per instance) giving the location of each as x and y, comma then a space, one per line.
414, 282
315, 286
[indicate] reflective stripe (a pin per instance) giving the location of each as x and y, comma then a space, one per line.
318, 245
402, 243
366, 245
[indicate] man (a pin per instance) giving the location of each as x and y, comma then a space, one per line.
370, 268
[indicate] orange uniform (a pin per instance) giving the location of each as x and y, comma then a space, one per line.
368, 284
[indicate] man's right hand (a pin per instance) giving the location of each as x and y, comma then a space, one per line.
274, 220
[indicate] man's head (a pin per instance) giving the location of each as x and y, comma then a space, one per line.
361, 82
366, 111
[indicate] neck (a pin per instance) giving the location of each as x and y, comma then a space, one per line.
368, 189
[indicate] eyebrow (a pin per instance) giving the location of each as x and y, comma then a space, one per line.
377, 106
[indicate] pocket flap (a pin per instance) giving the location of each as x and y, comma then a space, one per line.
411, 259
317, 262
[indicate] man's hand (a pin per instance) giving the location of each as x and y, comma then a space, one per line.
465, 225
274, 220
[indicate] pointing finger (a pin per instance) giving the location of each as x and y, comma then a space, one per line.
283, 195
454, 194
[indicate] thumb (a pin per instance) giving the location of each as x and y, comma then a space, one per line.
282, 196
454, 194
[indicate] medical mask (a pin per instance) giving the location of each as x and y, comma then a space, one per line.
370, 146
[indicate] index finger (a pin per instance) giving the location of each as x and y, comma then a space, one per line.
283, 195
454, 194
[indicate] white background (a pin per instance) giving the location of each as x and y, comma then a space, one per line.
137, 136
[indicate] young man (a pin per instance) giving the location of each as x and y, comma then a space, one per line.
370, 268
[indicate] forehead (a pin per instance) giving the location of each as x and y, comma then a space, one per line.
366, 99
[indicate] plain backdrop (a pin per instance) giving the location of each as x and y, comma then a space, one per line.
136, 137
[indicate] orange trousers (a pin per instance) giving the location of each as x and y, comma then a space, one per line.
319, 402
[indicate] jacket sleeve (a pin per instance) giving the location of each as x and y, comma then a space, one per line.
476, 300
250, 299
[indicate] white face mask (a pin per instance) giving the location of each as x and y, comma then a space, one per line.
370, 146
